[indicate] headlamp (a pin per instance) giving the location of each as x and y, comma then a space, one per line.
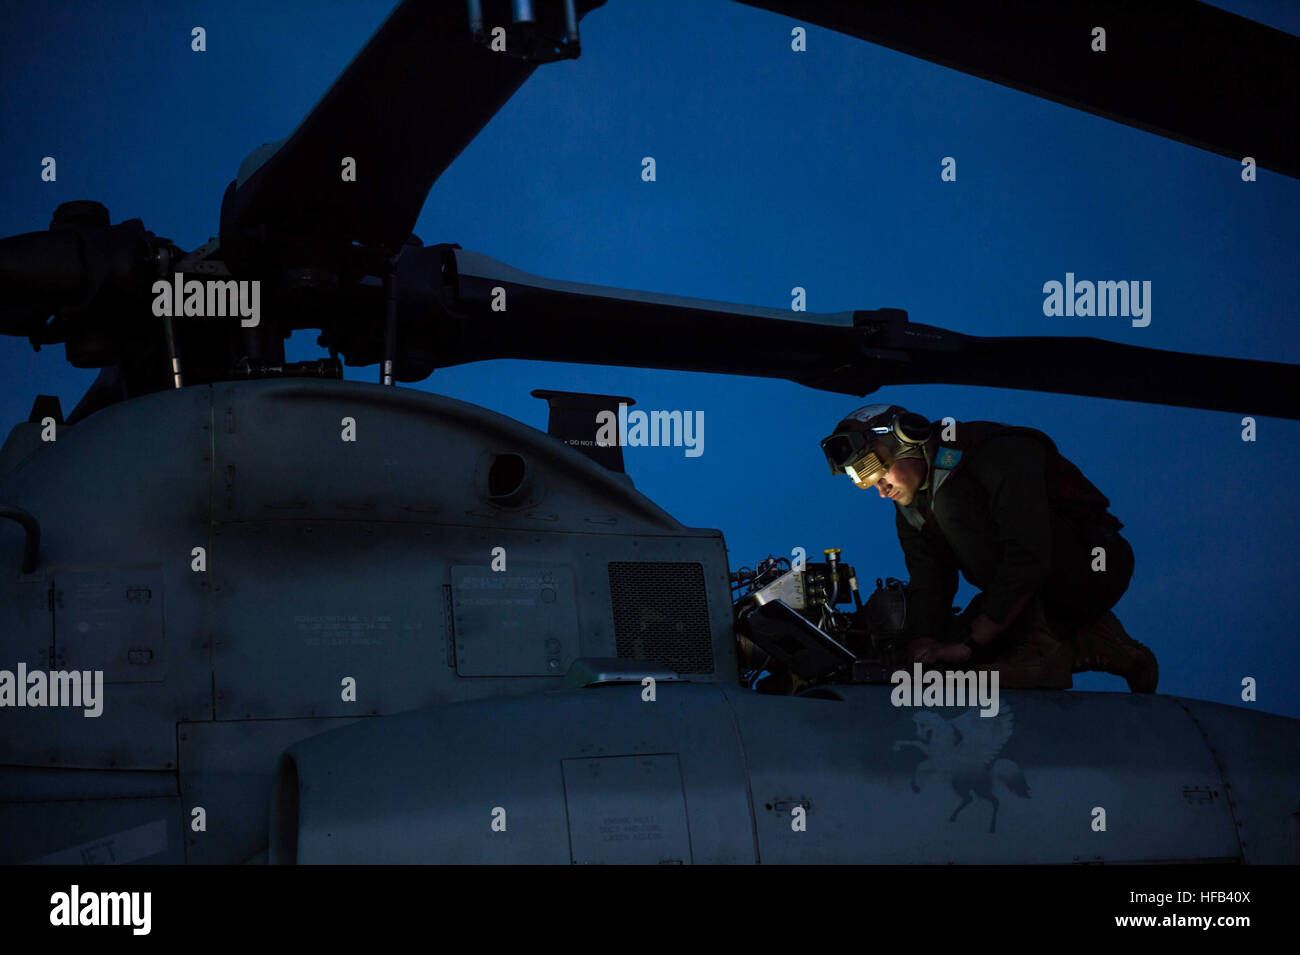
863, 457
867, 470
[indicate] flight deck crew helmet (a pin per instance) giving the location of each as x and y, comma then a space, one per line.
867, 442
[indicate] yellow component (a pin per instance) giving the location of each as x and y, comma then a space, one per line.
831, 550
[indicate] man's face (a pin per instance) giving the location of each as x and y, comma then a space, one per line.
901, 481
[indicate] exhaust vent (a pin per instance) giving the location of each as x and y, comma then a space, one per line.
661, 614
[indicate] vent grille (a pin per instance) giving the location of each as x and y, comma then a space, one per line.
661, 614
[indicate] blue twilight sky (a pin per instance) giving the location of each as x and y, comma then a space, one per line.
775, 169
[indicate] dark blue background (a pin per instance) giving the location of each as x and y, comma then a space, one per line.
775, 169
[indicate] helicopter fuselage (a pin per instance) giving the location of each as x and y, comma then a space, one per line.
251, 562
345, 622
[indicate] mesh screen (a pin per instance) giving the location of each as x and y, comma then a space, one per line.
661, 614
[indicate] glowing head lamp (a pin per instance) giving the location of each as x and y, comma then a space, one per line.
859, 454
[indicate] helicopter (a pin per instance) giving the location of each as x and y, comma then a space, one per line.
495, 714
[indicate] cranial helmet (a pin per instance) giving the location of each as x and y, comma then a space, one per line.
867, 442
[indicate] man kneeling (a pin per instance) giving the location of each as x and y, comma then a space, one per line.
1022, 523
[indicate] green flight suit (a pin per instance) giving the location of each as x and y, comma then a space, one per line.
995, 519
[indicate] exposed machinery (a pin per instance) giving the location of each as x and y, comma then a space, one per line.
460, 639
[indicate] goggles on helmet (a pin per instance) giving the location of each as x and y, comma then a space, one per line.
859, 454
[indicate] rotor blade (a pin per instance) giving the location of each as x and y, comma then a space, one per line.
405, 107
490, 310
1181, 69
1103, 369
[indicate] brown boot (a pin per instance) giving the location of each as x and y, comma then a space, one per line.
1102, 644
1036, 661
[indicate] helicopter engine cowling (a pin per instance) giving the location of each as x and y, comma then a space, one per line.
713, 773
601, 774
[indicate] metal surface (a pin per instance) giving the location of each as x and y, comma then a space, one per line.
228, 769
521, 622
661, 613
626, 810
1258, 755
111, 620
256, 565
425, 786
1185, 70
160, 489
423, 54
873, 782
93, 832
788, 587
312, 579
882, 783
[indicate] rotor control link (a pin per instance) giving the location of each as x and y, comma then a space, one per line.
163, 257
390, 325
540, 31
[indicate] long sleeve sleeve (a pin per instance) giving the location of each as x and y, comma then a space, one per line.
933, 583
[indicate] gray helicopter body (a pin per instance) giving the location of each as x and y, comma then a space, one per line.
325, 621
498, 709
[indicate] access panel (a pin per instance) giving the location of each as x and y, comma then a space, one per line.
111, 619
626, 810
520, 622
